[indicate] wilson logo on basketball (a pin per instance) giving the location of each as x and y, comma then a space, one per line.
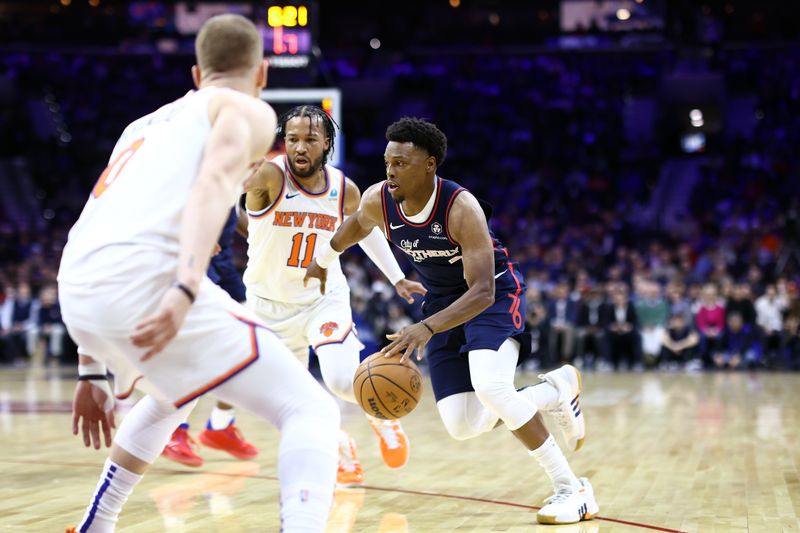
328, 328
416, 384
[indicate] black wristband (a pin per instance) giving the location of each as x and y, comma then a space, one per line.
185, 290
92, 377
427, 326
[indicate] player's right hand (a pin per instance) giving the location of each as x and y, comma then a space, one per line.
89, 403
158, 329
314, 271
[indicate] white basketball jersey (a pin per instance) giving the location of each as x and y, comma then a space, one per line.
282, 239
138, 200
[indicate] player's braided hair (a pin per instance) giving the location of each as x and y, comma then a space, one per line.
314, 113
422, 133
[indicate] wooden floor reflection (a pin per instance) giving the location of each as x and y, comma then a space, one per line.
665, 452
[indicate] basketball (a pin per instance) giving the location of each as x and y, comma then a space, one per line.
386, 388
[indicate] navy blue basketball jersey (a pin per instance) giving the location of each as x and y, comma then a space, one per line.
434, 254
221, 270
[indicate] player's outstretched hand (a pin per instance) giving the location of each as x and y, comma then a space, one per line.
162, 326
407, 340
406, 289
89, 411
314, 271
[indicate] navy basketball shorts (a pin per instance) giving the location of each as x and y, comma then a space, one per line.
447, 352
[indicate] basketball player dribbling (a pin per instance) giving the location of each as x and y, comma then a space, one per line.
134, 291
295, 203
473, 311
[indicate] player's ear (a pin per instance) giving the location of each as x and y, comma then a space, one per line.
263, 70
196, 76
430, 164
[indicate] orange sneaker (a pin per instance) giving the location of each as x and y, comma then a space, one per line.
71, 530
180, 448
350, 473
228, 440
395, 447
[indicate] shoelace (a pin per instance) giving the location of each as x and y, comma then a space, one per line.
562, 418
234, 431
347, 459
560, 496
184, 438
389, 435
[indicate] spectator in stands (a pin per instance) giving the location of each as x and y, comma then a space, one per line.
710, 321
622, 338
769, 317
536, 321
679, 345
677, 301
741, 302
561, 312
48, 325
590, 327
737, 347
652, 313
22, 310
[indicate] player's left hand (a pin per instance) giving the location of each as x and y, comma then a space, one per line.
162, 326
314, 271
407, 340
92, 408
406, 289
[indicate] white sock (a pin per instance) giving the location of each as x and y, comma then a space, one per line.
552, 460
113, 489
221, 418
307, 477
543, 395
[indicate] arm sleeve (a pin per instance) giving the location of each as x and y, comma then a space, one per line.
377, 249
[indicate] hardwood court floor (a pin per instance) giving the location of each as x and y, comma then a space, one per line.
665, 452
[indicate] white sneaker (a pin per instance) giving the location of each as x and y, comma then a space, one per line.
569, 505
568, 414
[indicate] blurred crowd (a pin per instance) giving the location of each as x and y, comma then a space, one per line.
546, 146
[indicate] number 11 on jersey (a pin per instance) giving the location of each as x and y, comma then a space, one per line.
297, 243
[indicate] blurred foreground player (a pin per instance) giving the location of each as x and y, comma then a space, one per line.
473, 322
134, 289
295, 203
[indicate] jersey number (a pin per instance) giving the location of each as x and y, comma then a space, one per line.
113, 170
297, 243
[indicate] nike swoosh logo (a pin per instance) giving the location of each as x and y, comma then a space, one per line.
290, 196
501, 273
392, 226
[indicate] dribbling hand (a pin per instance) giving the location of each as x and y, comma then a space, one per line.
89, 404
314, 271
406, 289
161, 327
410, 338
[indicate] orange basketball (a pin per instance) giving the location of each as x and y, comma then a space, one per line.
387, 388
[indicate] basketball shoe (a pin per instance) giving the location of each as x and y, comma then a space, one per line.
228, 440
350, 473
569, 505
395, 447
568, 414
180, 448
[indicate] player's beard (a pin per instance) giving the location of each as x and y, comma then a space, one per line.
313, 167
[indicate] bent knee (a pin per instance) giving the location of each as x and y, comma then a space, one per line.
342, 387
492, 393
460, 429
